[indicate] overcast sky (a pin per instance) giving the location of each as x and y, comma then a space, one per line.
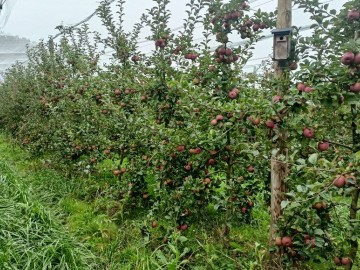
37, 19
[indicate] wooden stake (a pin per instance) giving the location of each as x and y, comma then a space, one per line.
279, 170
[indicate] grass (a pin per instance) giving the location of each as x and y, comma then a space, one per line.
31, 236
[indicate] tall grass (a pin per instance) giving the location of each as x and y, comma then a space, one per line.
31, 236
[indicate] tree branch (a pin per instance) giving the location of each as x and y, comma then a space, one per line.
340, 144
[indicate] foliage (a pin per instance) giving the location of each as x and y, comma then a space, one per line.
186, 138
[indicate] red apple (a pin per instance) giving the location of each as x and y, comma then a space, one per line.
323, 146
180, 148
355, 87
221, 51
301, 86
135, 58
308, 89
232, 95
219, 117
357, 59
228, 52
154, 224
256, 27
249, 23
211, 161
293, 66
214, 122
353, 15
194, 56
251, 168
235, 90
117, 92
270, 124
345, 261
235, 15
184, 227
244, 5
308, 133
243, 210
286, 241
339, 181
348, 58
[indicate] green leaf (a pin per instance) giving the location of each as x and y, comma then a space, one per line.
302, 189
284, 204
182, 239
313, 158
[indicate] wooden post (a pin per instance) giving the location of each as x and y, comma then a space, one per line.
279, 168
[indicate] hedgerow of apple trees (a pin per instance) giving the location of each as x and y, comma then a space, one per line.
186, 134
150, 120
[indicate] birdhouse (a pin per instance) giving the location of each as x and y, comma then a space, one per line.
282, 45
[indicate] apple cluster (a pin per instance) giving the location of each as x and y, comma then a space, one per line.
230, 16
342, 261
225, 55
162, 42
309, 133
233, 93
191, 56
255, 26
217, 119
233, 15
352, 60
302, 87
